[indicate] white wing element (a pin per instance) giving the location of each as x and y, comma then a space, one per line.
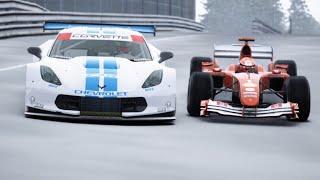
233, 51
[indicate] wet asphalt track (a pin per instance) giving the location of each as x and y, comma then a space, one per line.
192, 149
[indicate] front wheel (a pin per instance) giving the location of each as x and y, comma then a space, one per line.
298, 91
200, 88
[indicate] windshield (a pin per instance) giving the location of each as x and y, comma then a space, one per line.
125, 49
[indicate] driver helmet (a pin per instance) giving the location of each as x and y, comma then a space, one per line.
247, 62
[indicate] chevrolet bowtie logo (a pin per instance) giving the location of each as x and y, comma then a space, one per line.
102, 87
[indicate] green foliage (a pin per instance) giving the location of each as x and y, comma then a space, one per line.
302, 21
237, 15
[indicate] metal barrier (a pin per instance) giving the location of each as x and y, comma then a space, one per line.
18, 23
19, 5
260, 27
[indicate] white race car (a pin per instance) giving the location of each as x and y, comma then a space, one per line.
100, 73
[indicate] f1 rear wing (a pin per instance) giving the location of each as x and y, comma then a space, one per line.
63, 25
233, 51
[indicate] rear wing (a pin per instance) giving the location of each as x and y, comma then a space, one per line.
62, 25
233, 51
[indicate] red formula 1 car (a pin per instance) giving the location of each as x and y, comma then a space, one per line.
253, 91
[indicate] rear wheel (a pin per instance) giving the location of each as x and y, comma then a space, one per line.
196, 64
292, 66
200, 88
298, 91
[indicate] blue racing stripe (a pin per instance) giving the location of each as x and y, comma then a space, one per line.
110, 75
92, 63
92, 74
110, 64
92, 83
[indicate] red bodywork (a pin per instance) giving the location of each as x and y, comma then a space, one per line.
251, 78
249, 84
246, 78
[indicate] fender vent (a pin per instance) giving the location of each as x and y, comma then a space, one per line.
66, 102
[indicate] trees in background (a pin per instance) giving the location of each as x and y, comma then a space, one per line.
270, 12
237, 15
302, 22
226, 16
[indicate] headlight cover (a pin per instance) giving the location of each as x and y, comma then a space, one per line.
49, 76
154, 79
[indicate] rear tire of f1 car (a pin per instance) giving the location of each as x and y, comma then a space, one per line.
196, 64
298, 91
200, 88
292, 66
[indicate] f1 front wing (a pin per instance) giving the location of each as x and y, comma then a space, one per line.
223, 108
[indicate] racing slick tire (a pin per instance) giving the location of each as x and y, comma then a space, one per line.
292, 66
298, 91
200, 88
196, 64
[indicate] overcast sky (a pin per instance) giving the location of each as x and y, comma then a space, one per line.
314, 6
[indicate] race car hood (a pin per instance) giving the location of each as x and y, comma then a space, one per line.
90, 75
248, 88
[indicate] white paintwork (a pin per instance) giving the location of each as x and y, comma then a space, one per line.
72, 74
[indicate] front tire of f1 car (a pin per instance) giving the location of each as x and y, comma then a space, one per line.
298, 91
196, 64
200, 88
292, 66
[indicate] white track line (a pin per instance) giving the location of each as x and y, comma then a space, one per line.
12, 67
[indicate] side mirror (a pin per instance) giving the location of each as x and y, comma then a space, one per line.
165, 56
36, 51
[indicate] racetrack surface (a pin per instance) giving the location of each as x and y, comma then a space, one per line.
192, 148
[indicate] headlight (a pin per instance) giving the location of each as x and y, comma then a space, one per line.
154, 79
49, 76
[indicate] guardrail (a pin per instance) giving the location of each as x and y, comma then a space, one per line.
9, 5
260, 27
19, 23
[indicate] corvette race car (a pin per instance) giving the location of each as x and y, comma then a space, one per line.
100, 72
249, 90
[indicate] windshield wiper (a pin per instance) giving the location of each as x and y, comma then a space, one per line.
61, 57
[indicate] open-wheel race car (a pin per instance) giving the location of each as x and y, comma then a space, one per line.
250, 86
